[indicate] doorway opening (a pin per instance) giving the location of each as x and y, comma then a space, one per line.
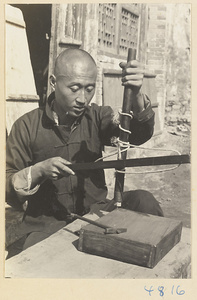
37, 18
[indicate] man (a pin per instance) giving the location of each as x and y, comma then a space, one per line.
43, 143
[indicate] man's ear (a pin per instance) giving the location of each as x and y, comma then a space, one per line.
52, 80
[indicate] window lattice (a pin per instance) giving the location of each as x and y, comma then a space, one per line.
107, 19
118, 27
128, 31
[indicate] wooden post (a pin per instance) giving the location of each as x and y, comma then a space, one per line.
124, 135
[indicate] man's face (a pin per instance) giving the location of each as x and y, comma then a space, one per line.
75, 87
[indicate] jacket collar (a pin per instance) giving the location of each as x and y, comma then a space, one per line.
53, 117
48, 108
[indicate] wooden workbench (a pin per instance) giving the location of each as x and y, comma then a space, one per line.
58, 257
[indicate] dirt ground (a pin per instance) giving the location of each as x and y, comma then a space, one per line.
170, 188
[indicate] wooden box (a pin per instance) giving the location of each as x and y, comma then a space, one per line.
147, 240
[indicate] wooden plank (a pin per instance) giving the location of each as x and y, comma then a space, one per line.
69, 42
19, 72
22, 97
112, 72
147, 240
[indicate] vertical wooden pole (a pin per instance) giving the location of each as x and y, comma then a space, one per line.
124, 135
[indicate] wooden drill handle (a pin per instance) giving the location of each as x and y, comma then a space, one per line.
127, 102
124, 136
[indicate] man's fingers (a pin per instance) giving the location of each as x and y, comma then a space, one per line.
66, 170
63, 161
56, 176
133, 80
61, 167
137, 77
131, 64
133, 83
133, 71
122, 65
61, 172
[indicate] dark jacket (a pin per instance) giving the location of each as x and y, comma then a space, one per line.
35, 137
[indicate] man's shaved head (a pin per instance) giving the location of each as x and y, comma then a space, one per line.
72, 57
74, 82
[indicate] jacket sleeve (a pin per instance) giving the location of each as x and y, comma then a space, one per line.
18, 157
141, 126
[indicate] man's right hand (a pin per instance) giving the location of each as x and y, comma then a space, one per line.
52, 168
27, 181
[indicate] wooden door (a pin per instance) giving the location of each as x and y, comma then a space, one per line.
66, 30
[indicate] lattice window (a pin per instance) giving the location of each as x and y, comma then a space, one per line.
107, 22
118, 27
128, 31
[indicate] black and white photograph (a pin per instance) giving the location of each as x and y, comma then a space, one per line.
98, 142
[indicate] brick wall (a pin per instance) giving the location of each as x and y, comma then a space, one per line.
178, 86
156, 51
168, 56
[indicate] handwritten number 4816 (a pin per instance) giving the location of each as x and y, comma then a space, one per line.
161, 290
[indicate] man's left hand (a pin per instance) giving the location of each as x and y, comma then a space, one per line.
132, 76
